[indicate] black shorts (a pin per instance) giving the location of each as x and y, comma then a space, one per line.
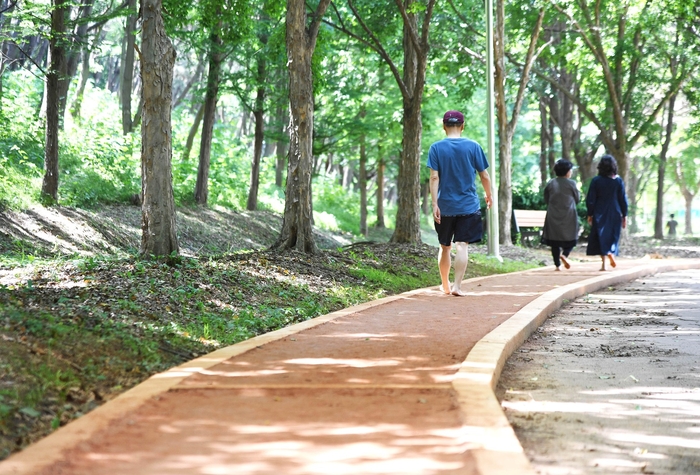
466, 228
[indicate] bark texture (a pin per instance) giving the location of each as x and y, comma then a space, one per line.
57, 69
506, 127
659, 220
301, 41
259, 113
128, 69
201, 192
159, 237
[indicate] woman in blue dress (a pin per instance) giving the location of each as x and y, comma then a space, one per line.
606, 202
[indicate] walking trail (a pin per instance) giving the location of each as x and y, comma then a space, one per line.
402, 385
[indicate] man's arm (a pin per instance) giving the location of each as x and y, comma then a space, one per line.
434, 185
486, 183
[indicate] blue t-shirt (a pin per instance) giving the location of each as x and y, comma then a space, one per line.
457, 161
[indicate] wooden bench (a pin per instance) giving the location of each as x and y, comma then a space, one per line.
529, 223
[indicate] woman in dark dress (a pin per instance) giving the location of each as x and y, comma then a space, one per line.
606, 202
560, 230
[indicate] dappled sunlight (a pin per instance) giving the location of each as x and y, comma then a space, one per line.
389, 337
511, 294
352, 363
292, 447
657, 440
234, 374
601, 409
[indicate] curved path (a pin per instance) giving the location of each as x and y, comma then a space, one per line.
403, 385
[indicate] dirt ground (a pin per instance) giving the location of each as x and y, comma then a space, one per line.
611, 382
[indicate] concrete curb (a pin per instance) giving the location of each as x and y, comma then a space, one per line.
495, 447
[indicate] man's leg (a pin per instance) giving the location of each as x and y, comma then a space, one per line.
461, 260
444, 264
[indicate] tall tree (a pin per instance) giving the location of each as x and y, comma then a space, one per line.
506, 126
57, 71
127, 66
634, 90
159, 236
226, 21
687, 168
411, 81
262, 77
661, 171
302, 34
216, 56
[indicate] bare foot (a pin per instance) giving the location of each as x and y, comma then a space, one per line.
458, 293
602, 268
557, 269
442, 290
612, 261
565, 262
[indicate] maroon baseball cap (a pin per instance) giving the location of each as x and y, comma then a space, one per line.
453, 118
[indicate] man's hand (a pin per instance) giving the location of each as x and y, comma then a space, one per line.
489, 202
436, 213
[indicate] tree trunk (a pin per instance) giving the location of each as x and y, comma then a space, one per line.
201, 192
194, 79
505, 185
159, 236
281, 148
545, 143
127, 68
73, 53
57, 69
297, 222
661, 172
193, 133
407, 228
688, 213
259, 111
363, 181
506, 128
84, 76
380, 189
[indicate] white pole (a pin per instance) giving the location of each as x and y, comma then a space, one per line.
492, 221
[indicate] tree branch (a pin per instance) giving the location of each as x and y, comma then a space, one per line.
381, 50
529, 60
407, 24
317, 19
464, 20
9, 7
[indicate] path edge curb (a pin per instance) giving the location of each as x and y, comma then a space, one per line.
492, 440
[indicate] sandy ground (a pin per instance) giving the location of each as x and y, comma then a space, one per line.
611, 382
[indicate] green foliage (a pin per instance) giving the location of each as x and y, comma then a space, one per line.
526, 195
21, 141
336, 208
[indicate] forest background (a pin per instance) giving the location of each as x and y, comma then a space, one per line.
572, 79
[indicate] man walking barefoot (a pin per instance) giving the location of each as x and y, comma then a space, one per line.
454, 163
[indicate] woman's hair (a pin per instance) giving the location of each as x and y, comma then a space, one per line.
562, 167
607, 166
